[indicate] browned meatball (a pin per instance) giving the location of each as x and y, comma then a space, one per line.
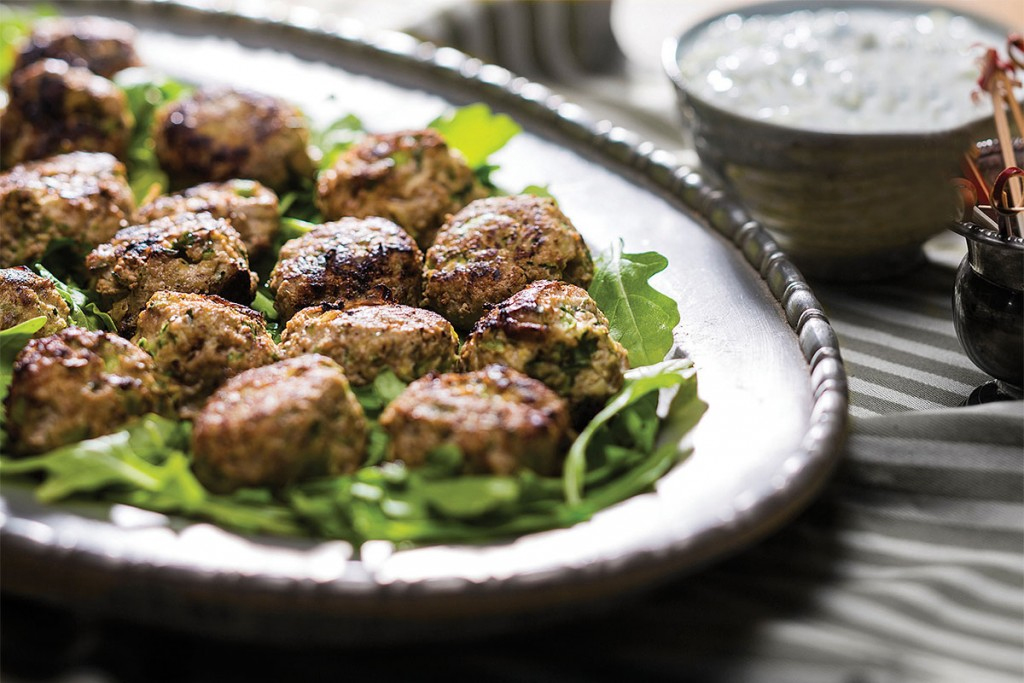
199, 342
104, 46
76, 385
554, 332
218, 134
368, 339
81, 199
55, 108
25, 295
495, 247
410, 177
500, 419
251, 208
352, 260
275, 425
194, 253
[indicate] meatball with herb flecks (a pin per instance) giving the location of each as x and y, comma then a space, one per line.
104, 46
76, 385
77, 200
25, 295
279, 424
192, 253
351, 261
251, 208
217, 134
410, 177
554, 332
365, 340
55, 108
493, 248
500, 420
199, 342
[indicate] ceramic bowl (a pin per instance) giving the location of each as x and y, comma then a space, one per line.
844, 205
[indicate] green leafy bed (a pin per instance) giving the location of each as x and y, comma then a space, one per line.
620, 453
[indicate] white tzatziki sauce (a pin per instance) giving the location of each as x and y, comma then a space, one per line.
858, 69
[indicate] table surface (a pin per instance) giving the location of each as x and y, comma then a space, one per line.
909, 567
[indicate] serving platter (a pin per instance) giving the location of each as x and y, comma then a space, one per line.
768, 367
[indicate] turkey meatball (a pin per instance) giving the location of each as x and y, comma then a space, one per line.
199, 342
25, 295
275, 425
501, 421
76, 385
352, 260
493, 248
104, 46
248, 205
554, 332
218, 134
192, 253
410, 177
55, 108
79, 199
365, 340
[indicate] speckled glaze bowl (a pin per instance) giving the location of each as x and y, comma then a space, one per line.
844, 206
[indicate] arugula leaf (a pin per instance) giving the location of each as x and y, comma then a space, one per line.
641, 318
639, 383
84, 312
146, 92
383, 390
476, 131
336, 138
128, 458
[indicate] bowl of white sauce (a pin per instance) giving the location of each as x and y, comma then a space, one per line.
838, 124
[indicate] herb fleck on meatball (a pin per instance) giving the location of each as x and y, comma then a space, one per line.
554, 332
251, 208
199, 342
493, 248
76, 385
501, 421
193, 253
55, 108
365, 340
81, 199
218, 134
25, 295
410, 177
103, 46
279, 424
352, 260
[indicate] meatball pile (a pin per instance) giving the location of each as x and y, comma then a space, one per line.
355, 295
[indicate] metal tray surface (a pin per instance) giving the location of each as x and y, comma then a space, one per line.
768, 365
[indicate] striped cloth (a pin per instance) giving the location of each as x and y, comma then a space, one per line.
909, 568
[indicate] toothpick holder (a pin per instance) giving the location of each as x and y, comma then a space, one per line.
988, 310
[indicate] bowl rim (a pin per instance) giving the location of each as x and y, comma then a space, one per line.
673, 45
